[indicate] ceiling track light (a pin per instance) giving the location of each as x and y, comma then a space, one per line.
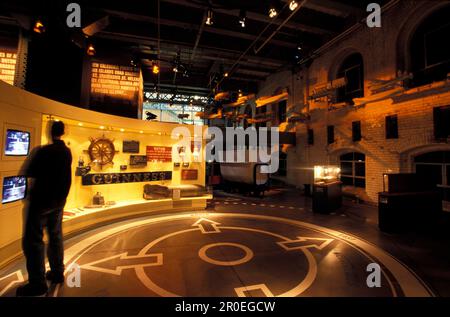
155, 68
38, 27
91, 50
273, 9
293, 5
242, 17
209, 17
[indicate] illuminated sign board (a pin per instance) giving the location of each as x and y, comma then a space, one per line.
8, 66
115, 81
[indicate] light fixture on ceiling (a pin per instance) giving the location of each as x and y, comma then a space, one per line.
209, 17
91, 50
273, 9
134, 62
293, 5
226, 74
155, 68
177, 63
39, 27
242, 17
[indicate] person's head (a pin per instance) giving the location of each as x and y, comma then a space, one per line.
57, 130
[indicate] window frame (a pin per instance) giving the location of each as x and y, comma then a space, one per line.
354, 161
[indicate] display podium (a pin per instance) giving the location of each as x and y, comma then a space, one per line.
408, 203
327, 189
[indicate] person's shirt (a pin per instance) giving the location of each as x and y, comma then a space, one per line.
51, 171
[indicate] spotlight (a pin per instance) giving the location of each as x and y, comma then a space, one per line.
39, 27
242, 17
134, 62
209, 17
226, 74
155, 68
91, 50
293, 5
273, 9
175, 69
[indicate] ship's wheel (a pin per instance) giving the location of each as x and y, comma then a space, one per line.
102, 151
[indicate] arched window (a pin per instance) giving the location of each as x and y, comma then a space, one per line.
353, 169
434, 168
352, 68
429, 50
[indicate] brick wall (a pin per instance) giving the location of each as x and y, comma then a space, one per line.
384, 56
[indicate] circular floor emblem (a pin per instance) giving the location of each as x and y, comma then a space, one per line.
231, 254
248, 254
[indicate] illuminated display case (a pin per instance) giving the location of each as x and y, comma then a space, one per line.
326, 174
327, 189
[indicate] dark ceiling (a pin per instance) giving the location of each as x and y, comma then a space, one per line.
161, 30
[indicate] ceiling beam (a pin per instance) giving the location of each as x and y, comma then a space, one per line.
331, 7
194, 27
252, 72
256, 17
8, 21
210, 53
247, 79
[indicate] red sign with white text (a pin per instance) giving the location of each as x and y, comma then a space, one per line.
159, 153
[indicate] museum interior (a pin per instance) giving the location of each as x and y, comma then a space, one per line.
345, 104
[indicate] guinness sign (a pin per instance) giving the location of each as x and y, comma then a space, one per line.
120, 178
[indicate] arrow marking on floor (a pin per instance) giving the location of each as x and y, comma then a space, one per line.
207, 226
123, 261
305, 243
241, 291
8, 281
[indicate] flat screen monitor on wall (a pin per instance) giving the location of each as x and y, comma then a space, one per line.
14, 189
17, 143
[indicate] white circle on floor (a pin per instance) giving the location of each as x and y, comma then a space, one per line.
248, 254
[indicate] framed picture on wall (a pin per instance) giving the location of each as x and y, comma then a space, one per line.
189, 175
138, 160
130, 147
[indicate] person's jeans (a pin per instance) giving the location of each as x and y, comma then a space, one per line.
34, 248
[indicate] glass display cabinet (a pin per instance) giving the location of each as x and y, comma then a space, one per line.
327, 189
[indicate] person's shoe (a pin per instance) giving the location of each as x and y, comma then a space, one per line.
55, 278
36, 290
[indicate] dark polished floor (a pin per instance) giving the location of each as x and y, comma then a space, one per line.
244, 246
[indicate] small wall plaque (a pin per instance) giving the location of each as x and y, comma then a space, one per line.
189, 175
130, 147
138, 160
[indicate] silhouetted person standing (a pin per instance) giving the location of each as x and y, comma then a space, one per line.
50, 173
